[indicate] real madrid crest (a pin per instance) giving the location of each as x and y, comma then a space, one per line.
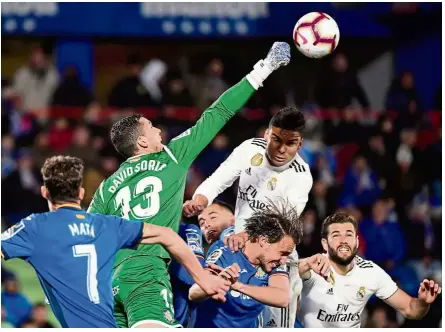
256, 160
272, 184
361, 292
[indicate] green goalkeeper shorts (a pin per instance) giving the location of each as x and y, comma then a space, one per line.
143, 293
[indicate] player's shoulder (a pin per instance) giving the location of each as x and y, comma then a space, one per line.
217, 252
188, 228
254, 145
367, 268
300, 168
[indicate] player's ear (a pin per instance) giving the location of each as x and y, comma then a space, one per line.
81, 193
44, 192
142, 142
301, 143
266, 133
324, 243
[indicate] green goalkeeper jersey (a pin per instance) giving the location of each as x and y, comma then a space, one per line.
150, 187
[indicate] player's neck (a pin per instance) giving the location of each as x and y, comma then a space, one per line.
54, 207
251, 252
341, 269
148, 150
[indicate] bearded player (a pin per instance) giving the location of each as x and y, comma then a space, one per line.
340, 303
267, 169
149, 186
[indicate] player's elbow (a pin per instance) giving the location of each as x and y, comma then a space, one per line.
282, 300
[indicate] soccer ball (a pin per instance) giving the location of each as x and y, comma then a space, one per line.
316, 35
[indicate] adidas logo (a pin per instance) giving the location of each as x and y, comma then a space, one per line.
271, 323
248, 171
330, 291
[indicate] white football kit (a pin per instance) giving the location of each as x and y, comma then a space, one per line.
341, 304
258, 182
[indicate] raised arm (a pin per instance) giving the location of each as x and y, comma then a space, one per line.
172, 242
189, 144
275, 294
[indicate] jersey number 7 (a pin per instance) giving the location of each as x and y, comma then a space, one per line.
89, 250
151, 199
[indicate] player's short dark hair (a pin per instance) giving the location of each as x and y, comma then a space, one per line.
62, 177
224, 205
124, 134
337, 218
275, 222
288, 118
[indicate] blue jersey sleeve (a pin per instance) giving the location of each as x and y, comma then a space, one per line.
18, 240
282, 269
192, 235
219, 256
227, 232
129, 233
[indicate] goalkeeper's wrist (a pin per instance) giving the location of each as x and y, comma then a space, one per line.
260, 72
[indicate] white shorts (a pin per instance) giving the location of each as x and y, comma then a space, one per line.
285, 317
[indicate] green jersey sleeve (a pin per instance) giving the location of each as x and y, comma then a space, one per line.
189, 144
98, 205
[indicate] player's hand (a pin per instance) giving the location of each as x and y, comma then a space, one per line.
320, 264
428, 291
278, 56
195, 206
236, 241
214, 285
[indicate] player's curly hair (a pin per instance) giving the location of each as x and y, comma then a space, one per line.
124, 134
289, 118
278, 220
62, 177
337, 218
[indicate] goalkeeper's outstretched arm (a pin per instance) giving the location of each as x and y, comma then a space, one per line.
189, 144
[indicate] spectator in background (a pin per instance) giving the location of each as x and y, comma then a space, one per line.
8, 162
213, 84
60, 135
71, 91
380, 159
22, 124
151, 77
403, 98
21, 189
311, 234
35, 82
324, 168
338, 87
176, 93
29, 324
41, 149
214, 155
385, 241
17, 307
39, 316
321, 199
360, 185
129, 92
82, 148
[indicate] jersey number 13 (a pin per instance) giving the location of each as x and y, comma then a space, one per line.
149, 187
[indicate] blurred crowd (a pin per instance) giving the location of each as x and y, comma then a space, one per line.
382, 166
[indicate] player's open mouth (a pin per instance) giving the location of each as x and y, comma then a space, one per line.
344, 249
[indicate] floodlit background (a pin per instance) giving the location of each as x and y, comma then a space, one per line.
374, 133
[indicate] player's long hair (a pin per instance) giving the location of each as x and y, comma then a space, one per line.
62, 177
274, 223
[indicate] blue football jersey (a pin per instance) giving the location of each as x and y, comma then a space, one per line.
239, 310
73, 254
185, 311
227, 232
